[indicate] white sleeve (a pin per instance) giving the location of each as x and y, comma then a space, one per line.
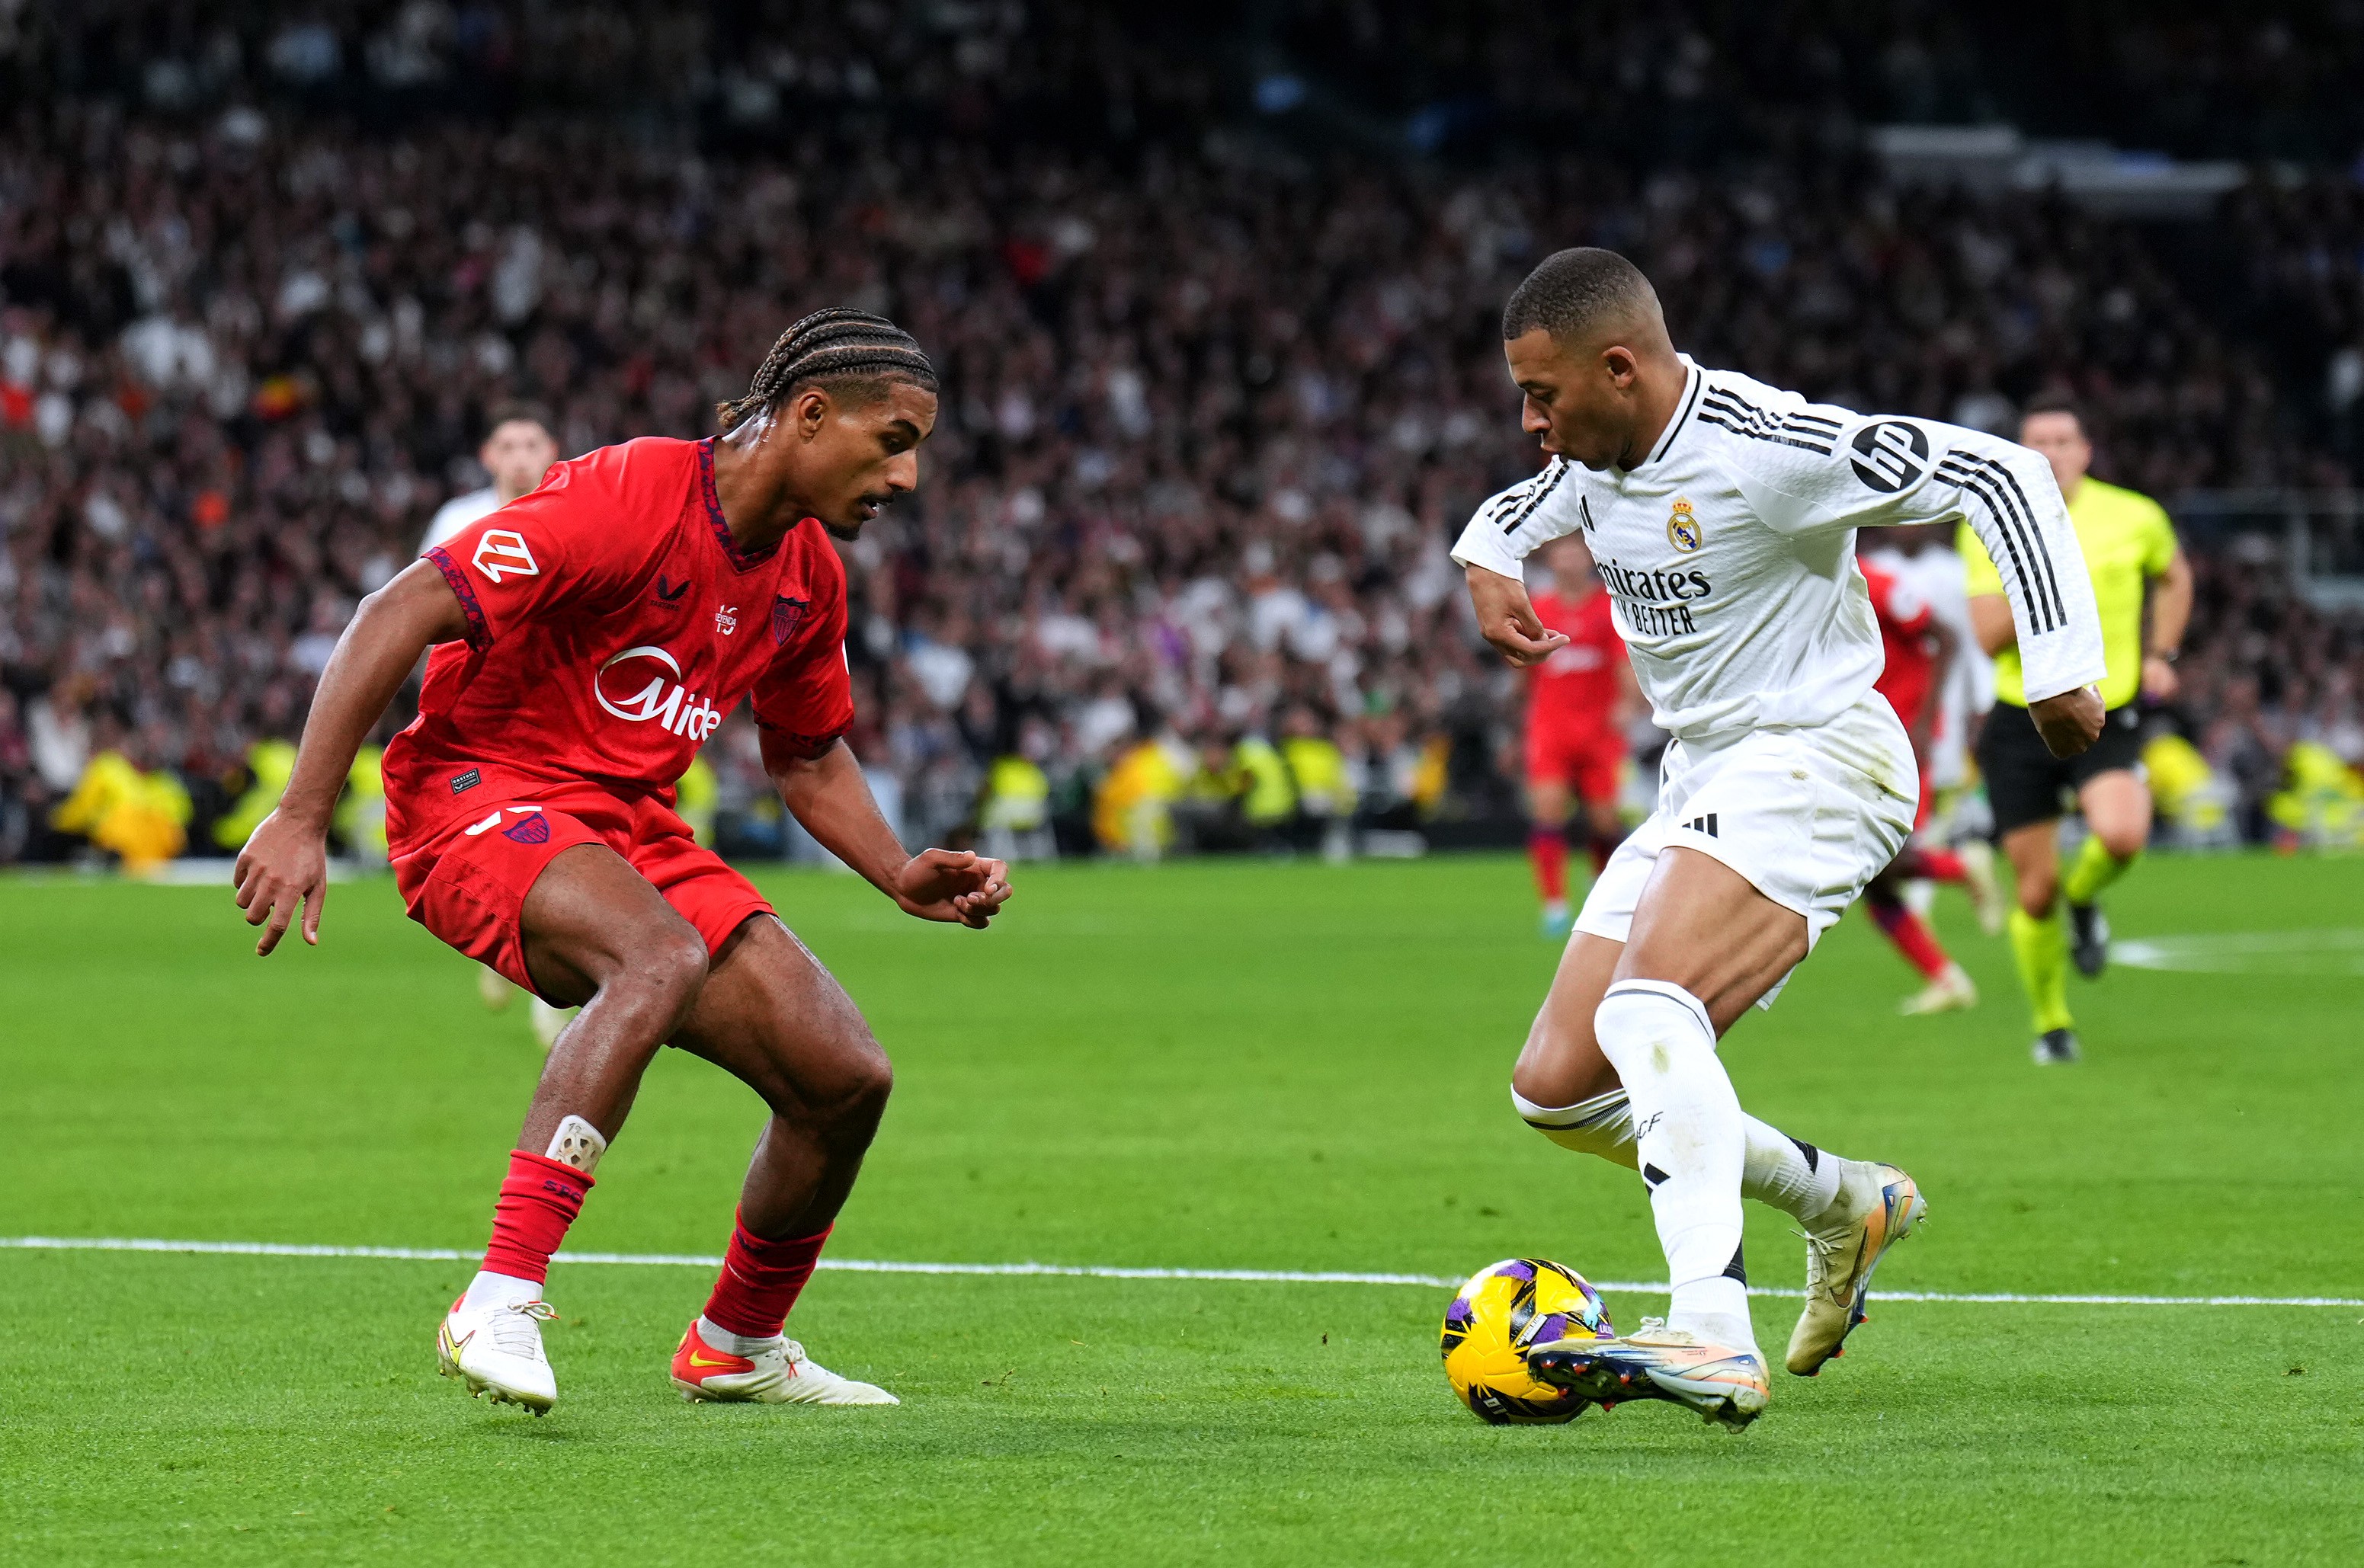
1883, 470
1512, 526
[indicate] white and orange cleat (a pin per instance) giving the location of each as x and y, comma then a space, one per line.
1723, 1384
496, 1349
1877, 1206
774, 1371
1952, 991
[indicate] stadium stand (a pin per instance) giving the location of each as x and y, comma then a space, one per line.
1219, 340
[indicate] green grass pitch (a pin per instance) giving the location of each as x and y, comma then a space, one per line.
1291, 1067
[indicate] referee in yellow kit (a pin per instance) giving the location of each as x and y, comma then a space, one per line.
2135, 563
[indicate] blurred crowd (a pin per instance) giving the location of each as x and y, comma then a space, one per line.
1216, 400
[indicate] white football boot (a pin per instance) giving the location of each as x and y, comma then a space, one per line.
1950, 992
498, 1350
1987, 899
775, 1372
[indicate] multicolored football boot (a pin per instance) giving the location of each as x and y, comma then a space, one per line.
1877, 1207
776, 1373
1725, 1386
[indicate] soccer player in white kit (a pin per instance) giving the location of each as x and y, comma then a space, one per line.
1722, 514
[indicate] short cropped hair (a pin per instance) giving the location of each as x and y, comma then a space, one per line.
851, 352
2058, 403
514, 410
1576, 292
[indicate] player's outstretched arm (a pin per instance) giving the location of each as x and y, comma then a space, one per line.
830, 796
285, 861
1883, 468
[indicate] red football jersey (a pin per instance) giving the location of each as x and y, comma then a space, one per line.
1576, 687
1904, 622
611, 625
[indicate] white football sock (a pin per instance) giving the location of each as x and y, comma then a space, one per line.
1694, 1144
488, 1289
1788, 1174
1793, 1176
723, 1339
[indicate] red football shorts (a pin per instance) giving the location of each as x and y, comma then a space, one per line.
1585, 760
467, 883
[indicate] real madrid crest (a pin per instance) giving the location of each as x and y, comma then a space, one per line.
1683, 528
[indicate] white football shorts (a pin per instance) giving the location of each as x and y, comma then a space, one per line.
1808, 816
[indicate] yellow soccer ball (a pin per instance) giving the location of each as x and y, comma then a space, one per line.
1505, 1310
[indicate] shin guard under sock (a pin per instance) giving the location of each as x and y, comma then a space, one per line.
1692, 1141
540, 1198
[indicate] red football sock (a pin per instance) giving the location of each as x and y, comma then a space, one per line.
760, 1281
1602, 846
1547, 849
540, 1198
1930, 866
1912, 935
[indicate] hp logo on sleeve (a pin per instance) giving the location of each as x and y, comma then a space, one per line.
1891, 455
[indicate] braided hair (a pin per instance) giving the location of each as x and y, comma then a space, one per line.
831, 347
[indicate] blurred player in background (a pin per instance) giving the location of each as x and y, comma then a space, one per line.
517, 451
2138, 566
587, 640
1919, 649
1723, 513
1578, 703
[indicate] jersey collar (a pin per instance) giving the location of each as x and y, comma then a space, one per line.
742, 560
1693, 380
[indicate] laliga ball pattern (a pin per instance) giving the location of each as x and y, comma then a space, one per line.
1504, 1311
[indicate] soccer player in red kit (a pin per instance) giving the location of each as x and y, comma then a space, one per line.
586, 639
1577, 703
1919, 648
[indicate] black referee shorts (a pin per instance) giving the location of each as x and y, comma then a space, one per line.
2025, 781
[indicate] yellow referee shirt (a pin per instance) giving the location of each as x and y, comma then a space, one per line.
2127, 541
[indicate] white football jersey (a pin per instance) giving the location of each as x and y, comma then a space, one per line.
457, 514
1730, 550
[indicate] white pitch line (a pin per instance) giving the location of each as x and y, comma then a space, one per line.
1069, 1270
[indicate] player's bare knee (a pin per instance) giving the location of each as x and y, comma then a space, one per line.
848, 1109
669, 970
2123, 841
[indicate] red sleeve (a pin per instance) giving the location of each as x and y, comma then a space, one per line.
804, 697
1899, 608
581, 539
1601, 622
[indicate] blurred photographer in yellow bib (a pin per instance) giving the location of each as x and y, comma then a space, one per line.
2142, 586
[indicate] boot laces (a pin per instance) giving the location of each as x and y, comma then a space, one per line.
515, 1327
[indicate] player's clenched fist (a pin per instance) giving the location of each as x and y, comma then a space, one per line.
2069, 722
952, 884
285, 864
1507, 619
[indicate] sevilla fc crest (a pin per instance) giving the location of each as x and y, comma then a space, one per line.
533, 829
787, 616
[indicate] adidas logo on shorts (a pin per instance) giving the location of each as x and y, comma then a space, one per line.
1703, 825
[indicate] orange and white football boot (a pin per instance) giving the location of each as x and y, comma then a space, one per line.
1877, 1207
776, 1373
1723, 1384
